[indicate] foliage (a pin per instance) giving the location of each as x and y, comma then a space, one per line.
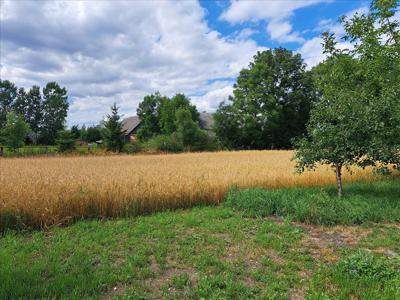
132, 147
113, 133
15, 131
30, 105
189, 132
93, 134
358, 119
8, 95
365, 202
169, 109
165, 143
270, 104
158, 114
149, 115
65, 140
55, 108
75, 131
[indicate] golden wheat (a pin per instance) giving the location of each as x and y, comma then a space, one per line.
46, 191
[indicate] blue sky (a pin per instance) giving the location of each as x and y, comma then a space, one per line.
118, 51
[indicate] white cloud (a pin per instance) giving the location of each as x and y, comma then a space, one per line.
105, 52
276, 13
282, 32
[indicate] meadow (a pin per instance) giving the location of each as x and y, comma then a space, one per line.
41, 192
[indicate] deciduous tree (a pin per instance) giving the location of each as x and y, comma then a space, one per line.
55, 109
15, 131
8, 95
270, 104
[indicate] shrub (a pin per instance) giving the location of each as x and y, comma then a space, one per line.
133, 147
65, 141
165, 143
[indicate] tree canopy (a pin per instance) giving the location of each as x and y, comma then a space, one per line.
357, 121
15, 130
270, 104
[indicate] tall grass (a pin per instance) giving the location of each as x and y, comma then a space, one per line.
46, 191
363, 202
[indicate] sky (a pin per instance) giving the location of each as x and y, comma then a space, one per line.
119, 51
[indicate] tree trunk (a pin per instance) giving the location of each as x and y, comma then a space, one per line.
339, 178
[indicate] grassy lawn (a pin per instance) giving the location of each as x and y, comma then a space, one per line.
204, 252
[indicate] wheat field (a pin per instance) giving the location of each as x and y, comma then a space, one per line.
47, 191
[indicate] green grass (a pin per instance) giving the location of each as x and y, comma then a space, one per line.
363, 202
209, 252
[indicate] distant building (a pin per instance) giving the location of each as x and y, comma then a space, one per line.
132, 124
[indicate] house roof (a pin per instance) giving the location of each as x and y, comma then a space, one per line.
206, 121
130, 124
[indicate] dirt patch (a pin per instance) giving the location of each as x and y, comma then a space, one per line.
274, 256
295, 294
117, 290
164, 280
323, 242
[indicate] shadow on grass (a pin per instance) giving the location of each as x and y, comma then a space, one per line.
363, 202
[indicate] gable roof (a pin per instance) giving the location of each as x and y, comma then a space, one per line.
206, 121
130, 124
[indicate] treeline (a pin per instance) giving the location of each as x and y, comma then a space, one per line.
35, 115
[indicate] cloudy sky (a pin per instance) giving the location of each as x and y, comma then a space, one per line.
119, 51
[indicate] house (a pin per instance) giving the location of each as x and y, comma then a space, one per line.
132, 124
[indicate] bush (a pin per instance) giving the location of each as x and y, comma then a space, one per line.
364, 202
165, 143
133, 147
65, 141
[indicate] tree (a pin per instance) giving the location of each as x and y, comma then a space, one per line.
270, 104
8, 95
149, 115
34, 109
188, 131
357, 121
15, 131
338, 124
19, 106
158, 113
113, 133
75, 132
65, 140
93, 134
169, 108
376, 40
55, 109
